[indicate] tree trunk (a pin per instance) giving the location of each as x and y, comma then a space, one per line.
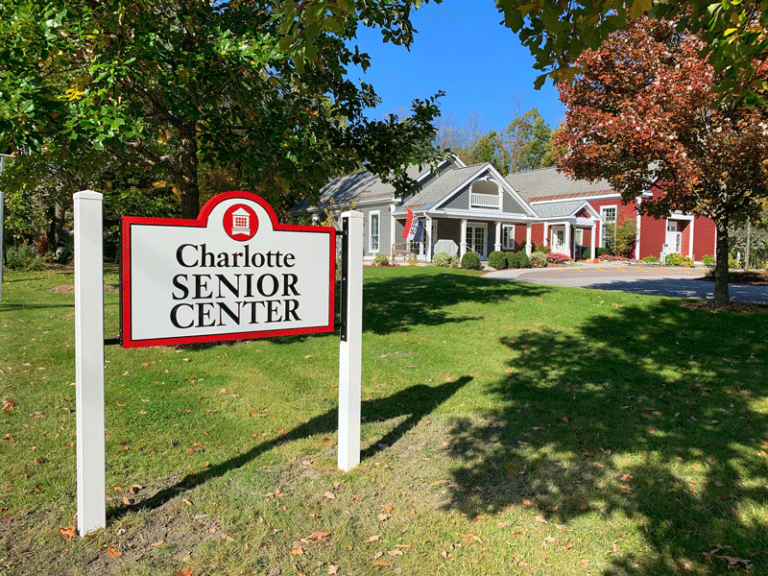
721, 262
190, 191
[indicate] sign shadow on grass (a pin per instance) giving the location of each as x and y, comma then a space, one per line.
648, 418
414, 402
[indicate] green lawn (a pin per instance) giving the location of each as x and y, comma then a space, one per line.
508, 429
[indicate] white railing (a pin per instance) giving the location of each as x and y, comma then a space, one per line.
483, 200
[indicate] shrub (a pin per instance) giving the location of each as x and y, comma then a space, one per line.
538, 260
603, 251
557, 258
24, 258
688, 262
650, 260
544, 249
497, 260
708, 260
413, 261
381, 260
518, 259
674, 259
445, 260
471, 261
732, 262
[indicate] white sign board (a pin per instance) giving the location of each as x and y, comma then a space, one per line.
233, 273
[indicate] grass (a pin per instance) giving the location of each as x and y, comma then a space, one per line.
508, 429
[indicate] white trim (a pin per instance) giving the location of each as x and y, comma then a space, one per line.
638, 223
370, 232
690, 239
487, 214
392, 228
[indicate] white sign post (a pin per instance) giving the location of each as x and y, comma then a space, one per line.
350, 350
89, 350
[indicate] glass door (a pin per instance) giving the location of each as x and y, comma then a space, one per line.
476, 239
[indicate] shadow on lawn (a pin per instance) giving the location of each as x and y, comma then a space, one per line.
393, 304
415, 402
621, 427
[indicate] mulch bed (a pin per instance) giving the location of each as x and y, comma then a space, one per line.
743, 307
755, 277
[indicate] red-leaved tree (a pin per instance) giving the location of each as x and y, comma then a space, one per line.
642, 112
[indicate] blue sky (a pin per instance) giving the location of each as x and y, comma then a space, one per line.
462, 49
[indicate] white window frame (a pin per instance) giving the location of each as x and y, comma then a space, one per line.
377, 214
508, 237
605, 222
578, 236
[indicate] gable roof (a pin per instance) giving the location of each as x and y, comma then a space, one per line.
562, 209
551, 184
436, 190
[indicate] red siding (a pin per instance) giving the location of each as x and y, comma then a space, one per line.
704, 234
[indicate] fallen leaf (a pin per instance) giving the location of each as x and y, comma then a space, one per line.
333, 569
381, 563
378, 555
550, 539
113, 552
319, 535
383, 517
373, 539
541, 519
184, 572
298, 551
67, 532
330, 495
395, 552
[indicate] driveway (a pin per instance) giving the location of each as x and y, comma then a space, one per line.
657, 280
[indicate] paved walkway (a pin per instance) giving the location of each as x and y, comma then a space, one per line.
658, 280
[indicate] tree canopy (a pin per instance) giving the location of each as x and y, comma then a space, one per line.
733, 34
172, 85
642, 112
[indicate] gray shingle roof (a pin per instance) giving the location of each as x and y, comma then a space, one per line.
550, 183
359, 187
439, 187
557, 209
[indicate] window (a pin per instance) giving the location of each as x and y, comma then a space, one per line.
608, 214
508, 236
374, 224
578, 236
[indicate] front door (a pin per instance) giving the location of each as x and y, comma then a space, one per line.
674, 237
558, 239
476, 239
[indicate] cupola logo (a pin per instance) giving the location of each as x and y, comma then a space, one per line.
240, 222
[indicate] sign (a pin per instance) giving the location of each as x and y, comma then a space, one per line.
233, 273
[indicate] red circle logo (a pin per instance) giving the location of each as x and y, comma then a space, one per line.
240, 222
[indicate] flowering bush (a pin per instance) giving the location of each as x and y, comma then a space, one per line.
613, 258
557, 258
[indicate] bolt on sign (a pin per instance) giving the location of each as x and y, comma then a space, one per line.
233, 273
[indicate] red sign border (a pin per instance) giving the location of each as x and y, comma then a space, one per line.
201, 222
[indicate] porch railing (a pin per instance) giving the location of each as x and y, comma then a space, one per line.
483, 200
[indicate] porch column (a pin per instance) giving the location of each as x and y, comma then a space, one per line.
638, 223
463, 243
568, 239
546, 233
497, 245
392, 231
528, 238
594, 239
690, 241
428, 237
